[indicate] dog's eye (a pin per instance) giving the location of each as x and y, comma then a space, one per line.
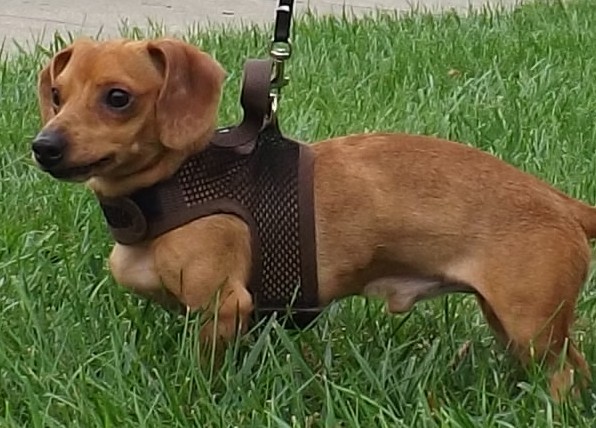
118, 99
55, 97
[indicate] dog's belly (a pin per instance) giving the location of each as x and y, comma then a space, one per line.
133, 267
401, 293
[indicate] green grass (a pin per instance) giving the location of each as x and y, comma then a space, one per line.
77, 350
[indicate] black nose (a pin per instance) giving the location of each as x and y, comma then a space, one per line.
48, 148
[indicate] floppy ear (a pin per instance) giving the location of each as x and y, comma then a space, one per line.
45, 80
187, 104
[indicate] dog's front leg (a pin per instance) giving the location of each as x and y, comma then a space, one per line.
133, 267
206, 265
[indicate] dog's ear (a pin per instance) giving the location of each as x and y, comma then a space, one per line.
45, 80
187, 104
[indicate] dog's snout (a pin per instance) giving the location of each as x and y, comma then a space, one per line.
48, 148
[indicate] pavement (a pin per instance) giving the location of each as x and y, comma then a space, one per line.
26, 21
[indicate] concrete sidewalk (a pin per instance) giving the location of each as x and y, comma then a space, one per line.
26, 20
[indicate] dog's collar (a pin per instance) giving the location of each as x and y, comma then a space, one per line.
254, 172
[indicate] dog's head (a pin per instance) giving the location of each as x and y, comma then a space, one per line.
112, 109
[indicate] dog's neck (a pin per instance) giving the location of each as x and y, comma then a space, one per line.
163, 168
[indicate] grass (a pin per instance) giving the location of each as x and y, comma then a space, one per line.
78, 350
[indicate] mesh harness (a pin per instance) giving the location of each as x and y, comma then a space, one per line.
252, 171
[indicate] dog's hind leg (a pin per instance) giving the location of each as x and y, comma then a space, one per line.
533, 311
532, 335
492, 320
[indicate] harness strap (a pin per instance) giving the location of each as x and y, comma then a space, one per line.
255, 103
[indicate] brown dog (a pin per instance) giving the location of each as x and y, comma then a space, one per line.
397, 216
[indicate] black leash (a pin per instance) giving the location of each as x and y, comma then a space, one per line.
281, 50
283, 21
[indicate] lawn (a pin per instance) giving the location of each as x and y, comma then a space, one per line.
78, 350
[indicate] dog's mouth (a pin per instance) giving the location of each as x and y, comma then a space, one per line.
79, 172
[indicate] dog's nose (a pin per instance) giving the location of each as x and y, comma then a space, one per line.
48, 148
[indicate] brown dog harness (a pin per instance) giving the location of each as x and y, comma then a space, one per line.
252, 171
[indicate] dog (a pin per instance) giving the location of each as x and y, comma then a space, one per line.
400, 217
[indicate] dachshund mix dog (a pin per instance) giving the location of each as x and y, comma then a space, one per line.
397, 216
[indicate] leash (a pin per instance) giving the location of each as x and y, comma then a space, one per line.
280, 51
